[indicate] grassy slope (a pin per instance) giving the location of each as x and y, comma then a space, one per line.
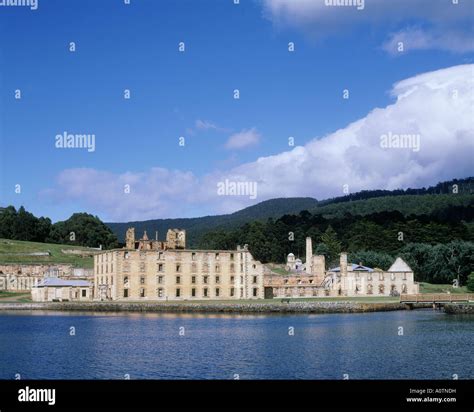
280, 271
432, 288
9, 297
9, 247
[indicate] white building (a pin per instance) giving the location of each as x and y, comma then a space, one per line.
61, 290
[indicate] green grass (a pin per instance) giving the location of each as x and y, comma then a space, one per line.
15, 296
4, 294
432, 288
279, 271
9, 248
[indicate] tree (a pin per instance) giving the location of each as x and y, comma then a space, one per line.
43, 228
23, 225
470, 282
372, 259
8, 218
330, 241
321, 249
418, 256
440, 263
460, 258
85, 230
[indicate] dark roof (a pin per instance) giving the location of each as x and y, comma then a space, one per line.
355, 268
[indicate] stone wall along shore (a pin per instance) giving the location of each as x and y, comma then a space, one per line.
459, 308
231, 307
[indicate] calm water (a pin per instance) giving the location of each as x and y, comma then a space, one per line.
38, 345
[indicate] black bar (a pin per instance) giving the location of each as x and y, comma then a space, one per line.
291, 395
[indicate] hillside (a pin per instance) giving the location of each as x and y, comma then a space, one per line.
16, 251
410, 201
405, 204
195, 227
464, 187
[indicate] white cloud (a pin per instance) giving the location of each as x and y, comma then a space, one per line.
206, 125
442, 24
156, 192
415, 38
439, 106
243, 139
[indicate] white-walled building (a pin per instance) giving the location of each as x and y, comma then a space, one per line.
61, 290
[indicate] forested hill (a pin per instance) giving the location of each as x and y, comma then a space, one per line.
405, 204
455, 186
195, 227
409, 201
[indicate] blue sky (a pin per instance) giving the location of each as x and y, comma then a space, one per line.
190, 94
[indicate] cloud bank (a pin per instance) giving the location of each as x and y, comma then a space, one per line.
438, 107
441, 25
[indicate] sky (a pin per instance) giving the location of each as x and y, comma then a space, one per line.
331, 100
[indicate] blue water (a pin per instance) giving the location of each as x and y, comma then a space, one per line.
38, 345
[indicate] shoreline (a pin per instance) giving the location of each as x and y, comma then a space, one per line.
459, 309
231, 307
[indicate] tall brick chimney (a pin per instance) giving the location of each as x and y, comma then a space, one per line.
319, 268
343, 263
130, 238
309, 255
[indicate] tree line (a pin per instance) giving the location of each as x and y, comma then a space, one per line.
81, 229
455, 186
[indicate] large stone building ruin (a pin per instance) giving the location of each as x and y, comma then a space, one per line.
153, 270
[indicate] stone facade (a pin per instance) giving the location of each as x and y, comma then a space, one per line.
22, 278
175, 239
313, 280
167, 271
293, 285
358, 280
